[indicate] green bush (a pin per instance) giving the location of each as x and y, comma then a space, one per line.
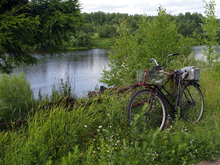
154, 39
61, 91
16, 94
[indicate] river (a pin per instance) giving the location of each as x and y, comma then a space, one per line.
82, 68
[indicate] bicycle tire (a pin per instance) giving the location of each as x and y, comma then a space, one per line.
143, 115
191, 103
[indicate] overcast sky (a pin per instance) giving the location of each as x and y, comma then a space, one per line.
148, 7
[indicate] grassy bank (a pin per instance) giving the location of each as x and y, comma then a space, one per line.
97, 42
99, 133
101, 42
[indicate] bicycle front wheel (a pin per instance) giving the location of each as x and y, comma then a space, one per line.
146, 112
191, 103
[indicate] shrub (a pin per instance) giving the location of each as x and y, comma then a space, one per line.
15, 94
61, 91
155, 39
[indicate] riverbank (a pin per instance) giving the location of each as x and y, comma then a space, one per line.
97, 42
98, 133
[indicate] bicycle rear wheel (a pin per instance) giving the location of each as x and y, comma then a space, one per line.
191, 103
146, 112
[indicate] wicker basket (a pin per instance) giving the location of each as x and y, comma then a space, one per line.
151, 76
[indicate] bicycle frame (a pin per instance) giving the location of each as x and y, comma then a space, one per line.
157, 89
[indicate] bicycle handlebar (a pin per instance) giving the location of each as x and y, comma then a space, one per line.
154, 61
174, 54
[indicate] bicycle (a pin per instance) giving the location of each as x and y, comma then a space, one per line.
148, 108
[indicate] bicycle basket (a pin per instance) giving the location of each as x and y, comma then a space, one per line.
151, 76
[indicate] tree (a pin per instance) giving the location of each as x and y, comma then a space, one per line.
210, 25
45, 24
124, 59
155, 39
160, 37
107, 31
16, 35
81, 39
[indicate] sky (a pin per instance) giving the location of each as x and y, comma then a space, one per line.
148, 7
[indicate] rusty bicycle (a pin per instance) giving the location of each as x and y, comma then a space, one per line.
149, 107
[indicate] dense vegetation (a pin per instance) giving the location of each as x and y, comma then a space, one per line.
105, 25
39, 24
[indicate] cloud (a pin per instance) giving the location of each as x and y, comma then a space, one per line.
145, 6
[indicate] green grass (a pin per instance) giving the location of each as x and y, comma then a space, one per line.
101, 42
99, 134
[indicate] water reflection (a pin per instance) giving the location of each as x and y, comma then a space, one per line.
82, 68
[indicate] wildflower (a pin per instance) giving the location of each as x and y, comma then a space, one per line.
107, 151
85, 126
98, 130
100, 126
110, 126
93, 152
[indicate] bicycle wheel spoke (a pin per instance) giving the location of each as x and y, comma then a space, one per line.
145, 112
192, 103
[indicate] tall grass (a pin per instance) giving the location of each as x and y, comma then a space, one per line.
98, 133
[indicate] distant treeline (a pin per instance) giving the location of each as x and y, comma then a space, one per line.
105, 25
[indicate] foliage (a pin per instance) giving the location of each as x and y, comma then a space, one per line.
189, 23
123, 59
155, 39
107, 31
16, 94
82, 39
210, 25
45, 24
160, 38
58, 20
13, 27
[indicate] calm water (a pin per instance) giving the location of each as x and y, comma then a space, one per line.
198, 52
82, 68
